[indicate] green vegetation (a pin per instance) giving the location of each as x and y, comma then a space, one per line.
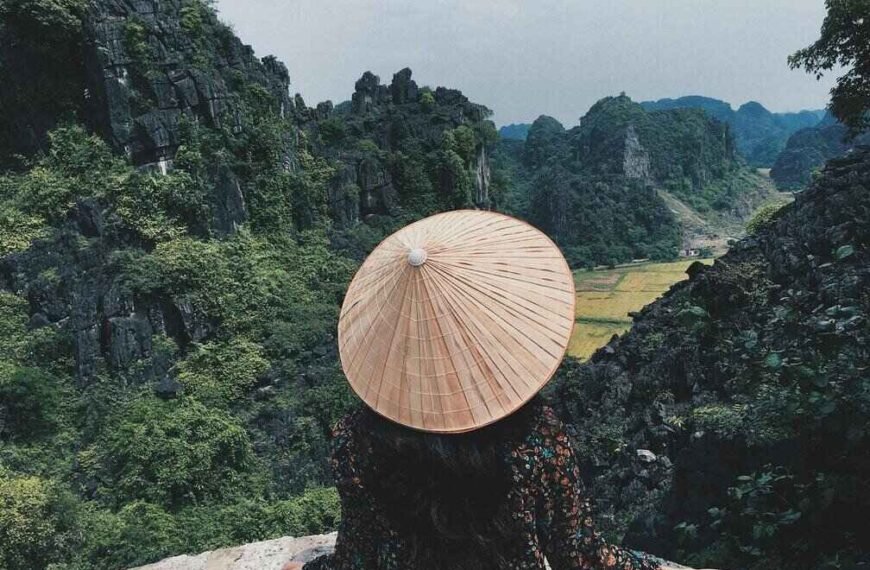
43, 35
427, 100
35, 521
845, 34
106, 463
405, 158
763, 217
748, 383
101, 466
844, 38
168, 374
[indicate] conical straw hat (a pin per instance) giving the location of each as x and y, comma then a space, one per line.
457, 320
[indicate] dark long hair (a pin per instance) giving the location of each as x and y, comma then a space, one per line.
447, 494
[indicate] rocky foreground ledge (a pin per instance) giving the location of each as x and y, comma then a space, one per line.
266, 555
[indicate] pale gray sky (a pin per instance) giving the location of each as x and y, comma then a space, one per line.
523, 58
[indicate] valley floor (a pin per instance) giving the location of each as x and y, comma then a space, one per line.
606, 296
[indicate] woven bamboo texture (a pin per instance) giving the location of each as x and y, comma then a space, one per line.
456, 320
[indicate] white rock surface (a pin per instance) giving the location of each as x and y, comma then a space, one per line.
266, 555
646, 455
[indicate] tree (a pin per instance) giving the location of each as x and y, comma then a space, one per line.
427, 100
36, 519
28, 401
844, 41
172, 454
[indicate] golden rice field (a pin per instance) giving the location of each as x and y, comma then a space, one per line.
605, 297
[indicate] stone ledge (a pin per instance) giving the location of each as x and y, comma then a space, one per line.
266, 555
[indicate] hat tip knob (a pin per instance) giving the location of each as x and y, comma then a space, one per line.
417, 256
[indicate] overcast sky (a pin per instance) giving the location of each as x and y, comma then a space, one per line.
523, 58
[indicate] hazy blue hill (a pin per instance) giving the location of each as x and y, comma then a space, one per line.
760, 135
808, 149
515, 131
715, 107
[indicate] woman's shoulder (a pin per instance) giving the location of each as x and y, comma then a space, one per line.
345, 430
544, 433
546, 423
348, 422
345, 456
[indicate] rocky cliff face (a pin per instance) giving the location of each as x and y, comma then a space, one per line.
150, 64
109, 327
174, 248
731, 420
635, 162
151, 72
616, 133
159, 78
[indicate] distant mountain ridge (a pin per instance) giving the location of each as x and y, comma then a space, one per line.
759, 133
515, 131
808, 149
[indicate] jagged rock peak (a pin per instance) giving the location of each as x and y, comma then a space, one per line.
403, 88
368, 91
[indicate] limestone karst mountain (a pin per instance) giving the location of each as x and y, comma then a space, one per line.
628, 183
177, 235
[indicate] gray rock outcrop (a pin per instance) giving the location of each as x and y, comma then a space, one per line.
635, 162
143, 79
265, 555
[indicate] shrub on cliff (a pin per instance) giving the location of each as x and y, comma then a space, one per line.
37, 521
172, 453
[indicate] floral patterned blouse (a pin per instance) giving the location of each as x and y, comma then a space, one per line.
547, 498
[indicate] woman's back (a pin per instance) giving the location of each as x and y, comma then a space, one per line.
502, 497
